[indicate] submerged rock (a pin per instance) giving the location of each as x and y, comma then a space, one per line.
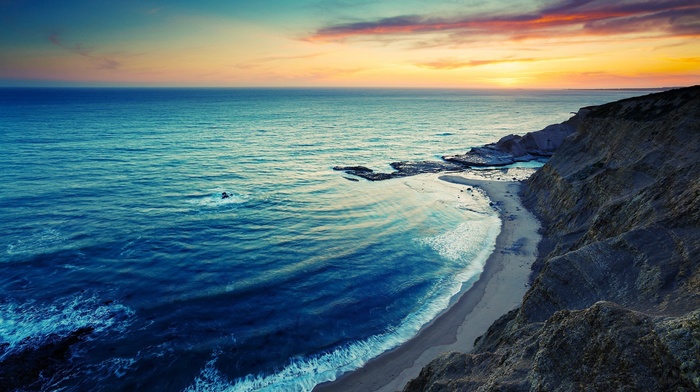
352, 168
36, 363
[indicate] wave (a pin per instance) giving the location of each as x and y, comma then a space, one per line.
214, 203
39, 241
470, 245
458, 245
31, 324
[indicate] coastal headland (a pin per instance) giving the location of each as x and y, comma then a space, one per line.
499, 289
614, 300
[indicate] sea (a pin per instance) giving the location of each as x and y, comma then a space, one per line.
112, 219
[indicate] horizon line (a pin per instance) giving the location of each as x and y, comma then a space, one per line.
342, 88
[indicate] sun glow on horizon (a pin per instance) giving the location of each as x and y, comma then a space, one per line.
561, 44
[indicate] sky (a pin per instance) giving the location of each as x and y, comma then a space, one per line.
344, 43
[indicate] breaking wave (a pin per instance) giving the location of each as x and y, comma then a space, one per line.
29, 325
470, 245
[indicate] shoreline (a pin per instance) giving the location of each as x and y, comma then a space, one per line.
499, 289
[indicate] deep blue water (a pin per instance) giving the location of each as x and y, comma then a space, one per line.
111, 217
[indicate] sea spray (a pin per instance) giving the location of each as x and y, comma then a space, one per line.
40, 241
28, 325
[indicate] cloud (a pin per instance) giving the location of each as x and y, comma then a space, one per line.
270, 59
448, 64
563, 18
687, 60
101, 62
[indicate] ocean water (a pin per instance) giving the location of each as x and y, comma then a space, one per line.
111, 217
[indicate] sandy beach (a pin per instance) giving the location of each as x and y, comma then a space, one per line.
499, 289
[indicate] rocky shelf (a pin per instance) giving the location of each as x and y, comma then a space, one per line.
510, 149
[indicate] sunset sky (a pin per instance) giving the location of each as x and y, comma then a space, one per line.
382, 43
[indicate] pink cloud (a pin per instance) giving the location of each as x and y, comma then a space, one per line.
565, 17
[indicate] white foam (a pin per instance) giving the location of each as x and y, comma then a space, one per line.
118, 366
213, 203
103, 372
466, 241
210, 378
30, 323
39, 241
470, 243
214, 199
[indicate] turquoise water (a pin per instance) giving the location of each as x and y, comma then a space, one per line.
112, 218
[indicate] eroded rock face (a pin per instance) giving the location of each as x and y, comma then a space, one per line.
620, 206
605, 347
514, 148
616, 288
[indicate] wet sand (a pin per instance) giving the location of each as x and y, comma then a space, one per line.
499, 289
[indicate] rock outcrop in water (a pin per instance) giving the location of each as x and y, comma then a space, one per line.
402, 169
41, 359
514, 148
615, 298
510, 149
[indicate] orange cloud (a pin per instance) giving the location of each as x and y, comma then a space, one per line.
271, 59
455, 64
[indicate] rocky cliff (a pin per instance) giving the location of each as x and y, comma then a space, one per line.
515, 148
615, 297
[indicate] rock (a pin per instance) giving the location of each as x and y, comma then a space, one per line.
402, 169
362, 171
413, 168
373, 176
352, 168
482, 156
614, 299
508, 150
605, 347
513, 148
27, 369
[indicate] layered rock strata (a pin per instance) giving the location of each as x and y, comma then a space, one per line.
615, 297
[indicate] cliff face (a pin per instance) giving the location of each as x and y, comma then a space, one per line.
615, 298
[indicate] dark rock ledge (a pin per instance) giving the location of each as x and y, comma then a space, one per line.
402, 169
510, 149
39, 359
